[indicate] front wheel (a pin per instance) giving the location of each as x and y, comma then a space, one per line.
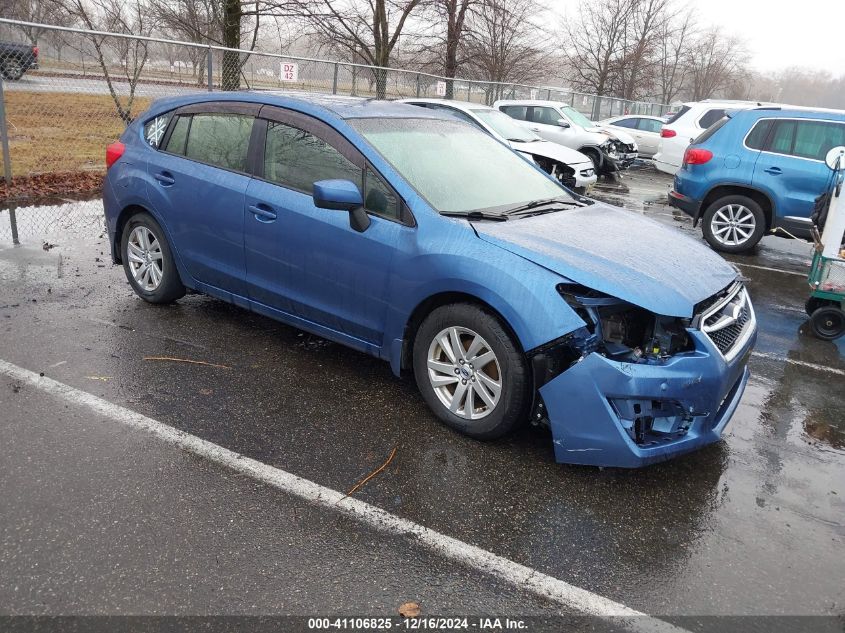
470, 372
148, 261
734, 224
13, 69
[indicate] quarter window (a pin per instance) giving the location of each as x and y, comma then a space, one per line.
710, 117
154, 129
220, 139
379, 198
757, 137
297, 159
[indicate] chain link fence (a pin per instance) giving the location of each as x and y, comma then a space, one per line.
63, 101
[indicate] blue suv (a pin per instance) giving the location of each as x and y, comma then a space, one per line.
756, 172
419, 239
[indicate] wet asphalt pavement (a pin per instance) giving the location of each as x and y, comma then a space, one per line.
95, 518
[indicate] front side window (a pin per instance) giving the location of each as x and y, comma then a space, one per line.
297, 159
628, 123
546, 116
441, 160
576, 117
814, 139
516, 112
710, 117
505, 126
220, 139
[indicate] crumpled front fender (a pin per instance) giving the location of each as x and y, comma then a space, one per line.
590, 405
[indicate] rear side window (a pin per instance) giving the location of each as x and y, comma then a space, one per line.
710, 131
220, 139
757, 137
517, 112
710, 117
650, 125
297, 159
179, 135
678, 115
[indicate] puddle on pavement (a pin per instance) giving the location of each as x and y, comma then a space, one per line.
53, 219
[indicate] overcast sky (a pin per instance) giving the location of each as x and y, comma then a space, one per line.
779, 34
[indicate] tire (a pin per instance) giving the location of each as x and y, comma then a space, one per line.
749, 224
480, 334
149, 265
814, 303
597, 162
13, 69
828, 323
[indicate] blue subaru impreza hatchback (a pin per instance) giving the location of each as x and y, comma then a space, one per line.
419, 239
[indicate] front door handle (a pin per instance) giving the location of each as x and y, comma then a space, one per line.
262, 212
774, 171
165, 178
535, 129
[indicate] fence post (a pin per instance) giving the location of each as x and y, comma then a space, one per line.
7, 160
208, 68
334, 80
418, 85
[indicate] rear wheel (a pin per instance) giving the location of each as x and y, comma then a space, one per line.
828, 323
470, 372
734, 224
148, 261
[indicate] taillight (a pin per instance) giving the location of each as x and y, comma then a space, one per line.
697, 156
666, 132
35, 51
113, 152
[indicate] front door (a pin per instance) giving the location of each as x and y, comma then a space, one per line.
308, 261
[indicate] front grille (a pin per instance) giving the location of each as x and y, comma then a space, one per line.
728, 319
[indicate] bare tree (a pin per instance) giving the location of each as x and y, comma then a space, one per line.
449, 20
367, 30
502, 43
130, 55
714, 60
594, 43
635, 72
34, 11
673, 39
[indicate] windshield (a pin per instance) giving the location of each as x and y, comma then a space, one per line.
576, 117
505, 126
457, 168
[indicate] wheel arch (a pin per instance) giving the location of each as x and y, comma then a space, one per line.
437, 300
123, 217
761, 198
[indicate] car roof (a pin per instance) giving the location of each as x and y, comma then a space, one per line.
454, 103
312, 103
796, 112
531, 102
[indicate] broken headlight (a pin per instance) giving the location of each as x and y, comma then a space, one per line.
623, 331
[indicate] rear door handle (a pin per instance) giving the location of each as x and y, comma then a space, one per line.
262, 212
774, 171
164, 178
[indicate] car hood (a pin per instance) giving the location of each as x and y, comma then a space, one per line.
547, 149
618, 253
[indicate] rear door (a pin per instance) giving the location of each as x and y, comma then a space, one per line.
308, 261
199, 180
648, 135
791, 166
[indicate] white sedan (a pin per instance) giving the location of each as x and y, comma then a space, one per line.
644, 128
572, 168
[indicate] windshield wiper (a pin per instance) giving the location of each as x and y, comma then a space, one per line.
532, 208
475, 215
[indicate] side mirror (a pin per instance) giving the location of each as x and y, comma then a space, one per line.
835, 158
342, 195
563, 123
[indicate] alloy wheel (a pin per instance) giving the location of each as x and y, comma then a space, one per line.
733, 225
464, 373
145, 256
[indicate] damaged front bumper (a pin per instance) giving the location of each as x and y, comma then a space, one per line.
604, 412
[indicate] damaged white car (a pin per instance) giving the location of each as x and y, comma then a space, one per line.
572, 169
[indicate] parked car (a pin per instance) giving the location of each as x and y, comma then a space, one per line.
572, 168
16, 59
688, 123
375, 225
643, 128
563, 124
757, 171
